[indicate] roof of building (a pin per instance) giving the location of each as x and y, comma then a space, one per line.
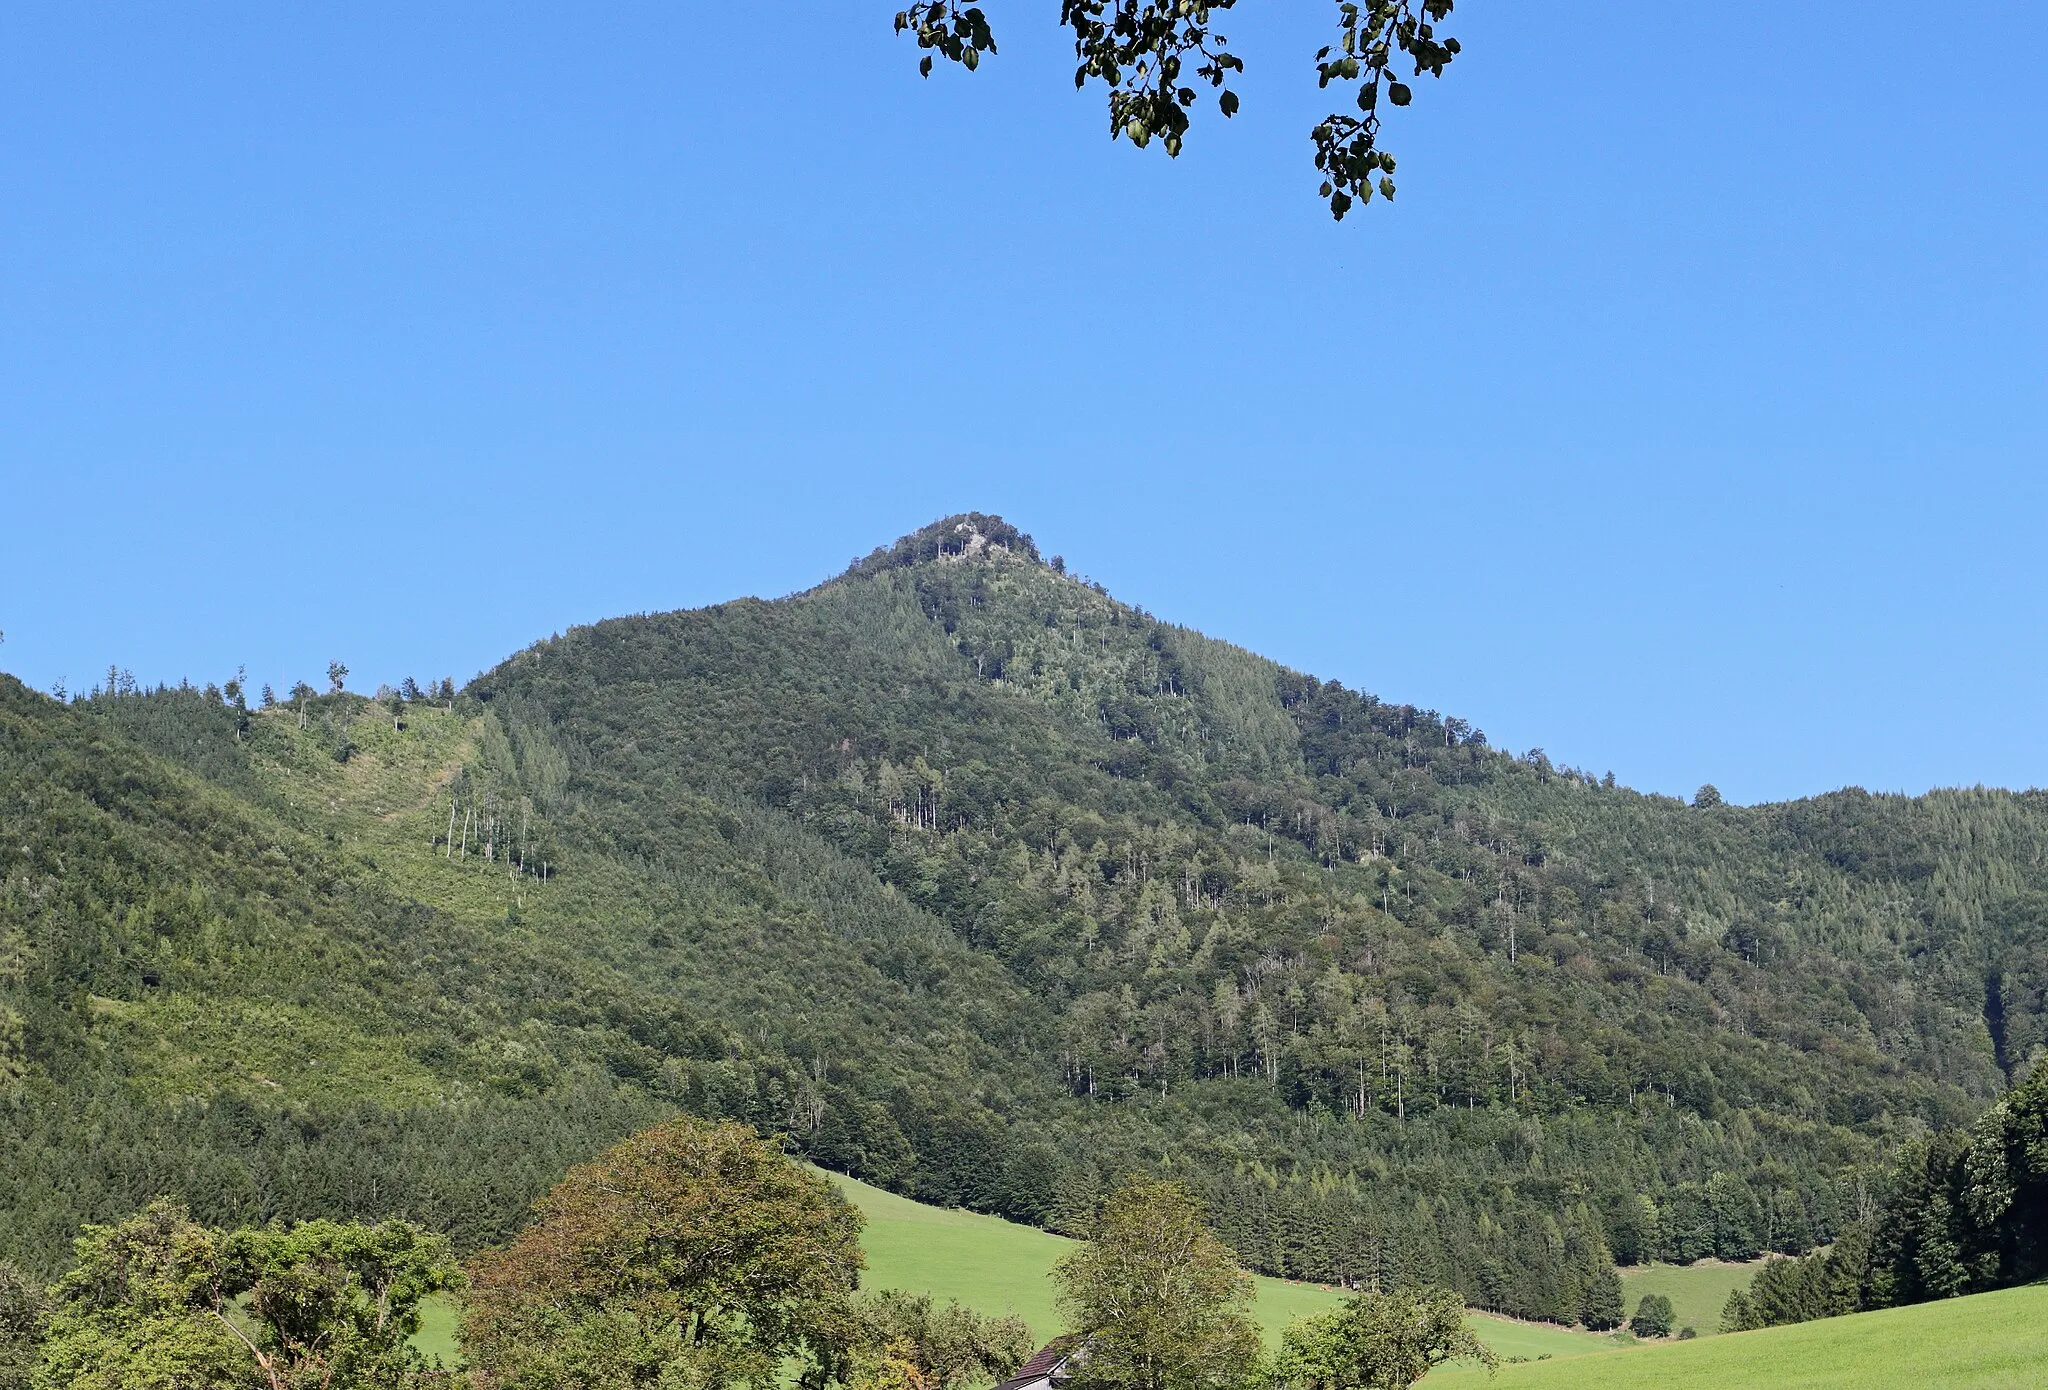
1044, 1364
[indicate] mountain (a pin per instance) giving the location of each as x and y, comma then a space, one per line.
981, 885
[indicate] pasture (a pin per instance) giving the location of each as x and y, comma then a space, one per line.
1991, 1341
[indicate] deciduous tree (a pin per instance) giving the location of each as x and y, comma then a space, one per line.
2006, 1177
1160, 1298
1378, 1341
691, 1254
906, 1338
22, 1310
1653, 1316
161, 1302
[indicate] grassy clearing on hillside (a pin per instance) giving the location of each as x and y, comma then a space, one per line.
997, 1266
992, 1265
1697, 1292
1987, 1342
1515, 1341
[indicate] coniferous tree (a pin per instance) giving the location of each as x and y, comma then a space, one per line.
23, 1312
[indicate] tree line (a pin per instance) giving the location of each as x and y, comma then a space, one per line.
1962, 1211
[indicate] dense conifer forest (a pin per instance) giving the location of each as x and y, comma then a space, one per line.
974, 882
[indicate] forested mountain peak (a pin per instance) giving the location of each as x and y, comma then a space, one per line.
964, 536
968, 878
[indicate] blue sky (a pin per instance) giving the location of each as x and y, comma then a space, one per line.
1686, 416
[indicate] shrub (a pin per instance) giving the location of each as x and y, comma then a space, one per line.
1653, 1316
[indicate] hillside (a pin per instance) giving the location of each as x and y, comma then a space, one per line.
272, 992
982, 887
1988, 1341
998, 1266
1409, 1005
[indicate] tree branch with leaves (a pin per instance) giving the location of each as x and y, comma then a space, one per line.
1155, 56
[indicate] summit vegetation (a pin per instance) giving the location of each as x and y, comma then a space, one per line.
964, 878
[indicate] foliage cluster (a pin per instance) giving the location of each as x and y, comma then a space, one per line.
1154, 57
690, 1250
158, 1300
905, 1341
1161, 1301
1378, 1340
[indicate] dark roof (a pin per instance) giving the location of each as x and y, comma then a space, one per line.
1046, 1360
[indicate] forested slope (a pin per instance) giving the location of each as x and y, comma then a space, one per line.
986, 887
276, 990
1406, 1001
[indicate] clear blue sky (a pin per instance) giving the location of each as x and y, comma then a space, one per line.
1687, 416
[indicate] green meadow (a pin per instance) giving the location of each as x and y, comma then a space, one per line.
1992, 1341
997, 1266
1697, 1292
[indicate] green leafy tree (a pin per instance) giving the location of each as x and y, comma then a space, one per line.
1154, 57
2006, 1177
690, 1254
907, 1339
338, 1302
1378, 1341
1160, 1298
236, 693
162, 1303
1653, 1316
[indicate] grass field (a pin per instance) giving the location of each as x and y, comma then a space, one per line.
997, 1266
439, 1317
1992, 1341
1696, 1291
